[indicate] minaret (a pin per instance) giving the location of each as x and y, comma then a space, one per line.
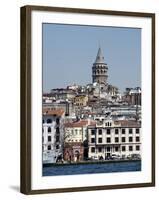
100, 69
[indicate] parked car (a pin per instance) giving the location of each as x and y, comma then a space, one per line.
115, 156
134, 156
95, 158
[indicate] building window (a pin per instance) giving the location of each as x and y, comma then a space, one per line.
116, 131
123, 148
108, 140
76, 131
57, 121
57, 130
100, 149
130, 130
130, 148
137, 130
92, 140
93, 149
108, 131
93, 132
123, 139
57, 146
137, 148
116, 139
137, 139
49, 138
100, 132
43, 121
42, 129
49, 147
57, 138
49, 129
99, 140
130, 139
123, 130
49, 121
108, 149
116, 149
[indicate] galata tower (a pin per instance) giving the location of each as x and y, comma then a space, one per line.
100, 69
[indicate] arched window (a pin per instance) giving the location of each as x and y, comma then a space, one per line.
57, 130
49, 147
49, 130
57, 121
49, 121
100, 132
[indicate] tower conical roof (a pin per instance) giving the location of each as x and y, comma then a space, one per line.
100, 57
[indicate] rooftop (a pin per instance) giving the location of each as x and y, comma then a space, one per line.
127, 123
80, 123
59, 112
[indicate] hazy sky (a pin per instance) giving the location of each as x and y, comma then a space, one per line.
69, 52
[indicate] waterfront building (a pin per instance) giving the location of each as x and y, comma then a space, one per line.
76, 144
108, 138
52, 134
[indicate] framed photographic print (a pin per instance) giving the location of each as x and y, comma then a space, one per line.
87, 99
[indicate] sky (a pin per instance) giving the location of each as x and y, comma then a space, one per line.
69, 52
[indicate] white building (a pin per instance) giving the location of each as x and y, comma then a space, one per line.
76, 144
77, 131
120, 138
53, 132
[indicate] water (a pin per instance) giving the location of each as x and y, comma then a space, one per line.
92, 168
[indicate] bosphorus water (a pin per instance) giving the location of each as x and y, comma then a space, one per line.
109, 167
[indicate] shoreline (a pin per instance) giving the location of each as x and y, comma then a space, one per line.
88, 162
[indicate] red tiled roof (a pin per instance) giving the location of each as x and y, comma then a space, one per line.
127, 123
58, 112
80, 123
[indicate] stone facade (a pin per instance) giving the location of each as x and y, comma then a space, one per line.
52, 134
120, 138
